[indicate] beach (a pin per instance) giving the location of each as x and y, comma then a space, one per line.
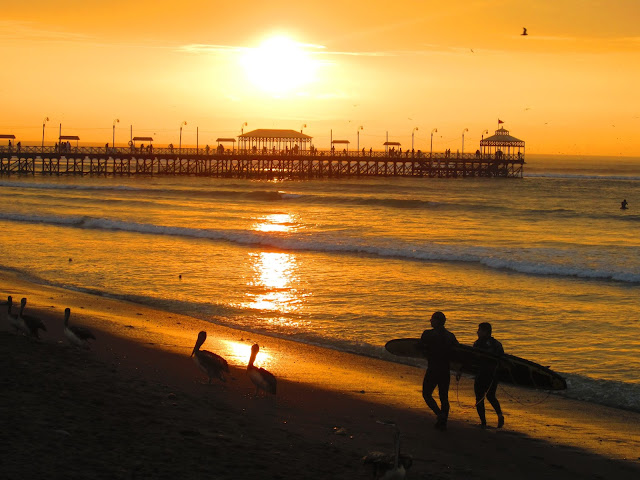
136, 406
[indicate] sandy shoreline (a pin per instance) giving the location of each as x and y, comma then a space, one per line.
135, 407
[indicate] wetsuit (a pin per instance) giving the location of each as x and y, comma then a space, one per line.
438, 342
486, 383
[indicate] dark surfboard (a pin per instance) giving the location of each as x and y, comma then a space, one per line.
508, 368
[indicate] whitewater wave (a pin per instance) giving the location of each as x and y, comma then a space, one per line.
380, 198
518, 259
66, 186
605, 392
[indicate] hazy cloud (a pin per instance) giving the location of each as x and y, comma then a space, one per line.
311, 49
19, 30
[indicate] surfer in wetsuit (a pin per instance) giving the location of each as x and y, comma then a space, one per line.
623, 204
438, 343
486, 383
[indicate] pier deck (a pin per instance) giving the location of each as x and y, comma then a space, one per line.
101, 161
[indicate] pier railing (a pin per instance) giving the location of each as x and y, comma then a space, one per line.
214, 152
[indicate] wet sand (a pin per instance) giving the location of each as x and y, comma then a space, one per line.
136, 406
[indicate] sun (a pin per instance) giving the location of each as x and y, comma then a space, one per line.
280, 65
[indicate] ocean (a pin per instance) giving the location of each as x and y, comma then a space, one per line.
550, 259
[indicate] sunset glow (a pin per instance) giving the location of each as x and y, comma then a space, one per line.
568, 87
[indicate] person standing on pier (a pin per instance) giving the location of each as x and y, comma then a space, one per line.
438, 342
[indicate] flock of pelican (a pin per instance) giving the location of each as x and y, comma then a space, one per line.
213, 365
30, 325
384, 466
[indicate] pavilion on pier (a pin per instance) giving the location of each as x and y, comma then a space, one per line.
75, 138
391, 144
340, 143
223, 140
268, 139
149, 140
502, 144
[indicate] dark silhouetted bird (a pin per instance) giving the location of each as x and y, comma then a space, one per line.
261, 378
210, 363
524, 31
14, 318
389, 466
29, 324
77, 335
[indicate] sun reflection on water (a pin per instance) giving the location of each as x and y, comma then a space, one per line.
276, 222
272, 287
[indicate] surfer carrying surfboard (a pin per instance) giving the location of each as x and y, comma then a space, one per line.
438, 343
486, 382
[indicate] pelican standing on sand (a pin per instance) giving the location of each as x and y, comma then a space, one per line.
210, 363
78, 336
389, 466
29, 324
13, 318
261, 378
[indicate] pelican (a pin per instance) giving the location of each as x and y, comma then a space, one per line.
28, 323
210, 363
14, 318
261, 378
78, 336
524, 31
389, 466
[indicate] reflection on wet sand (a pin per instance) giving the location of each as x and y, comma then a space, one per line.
241, 352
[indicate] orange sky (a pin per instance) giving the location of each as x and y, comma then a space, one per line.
570, 86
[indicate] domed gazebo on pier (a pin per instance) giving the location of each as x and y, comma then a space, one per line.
269, 140
502, 145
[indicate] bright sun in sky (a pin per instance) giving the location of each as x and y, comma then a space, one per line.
279, 65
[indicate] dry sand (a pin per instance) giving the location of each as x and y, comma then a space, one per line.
135, 406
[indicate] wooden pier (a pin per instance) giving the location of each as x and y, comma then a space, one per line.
253, 163
264, 153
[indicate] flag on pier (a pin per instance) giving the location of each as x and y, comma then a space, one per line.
500, 121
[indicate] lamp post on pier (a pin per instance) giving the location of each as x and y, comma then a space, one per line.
358, 135
465, 130
180, 144
412, 132
435, 130
304, 125
244, 124
483, 132
113, 138
46, 119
